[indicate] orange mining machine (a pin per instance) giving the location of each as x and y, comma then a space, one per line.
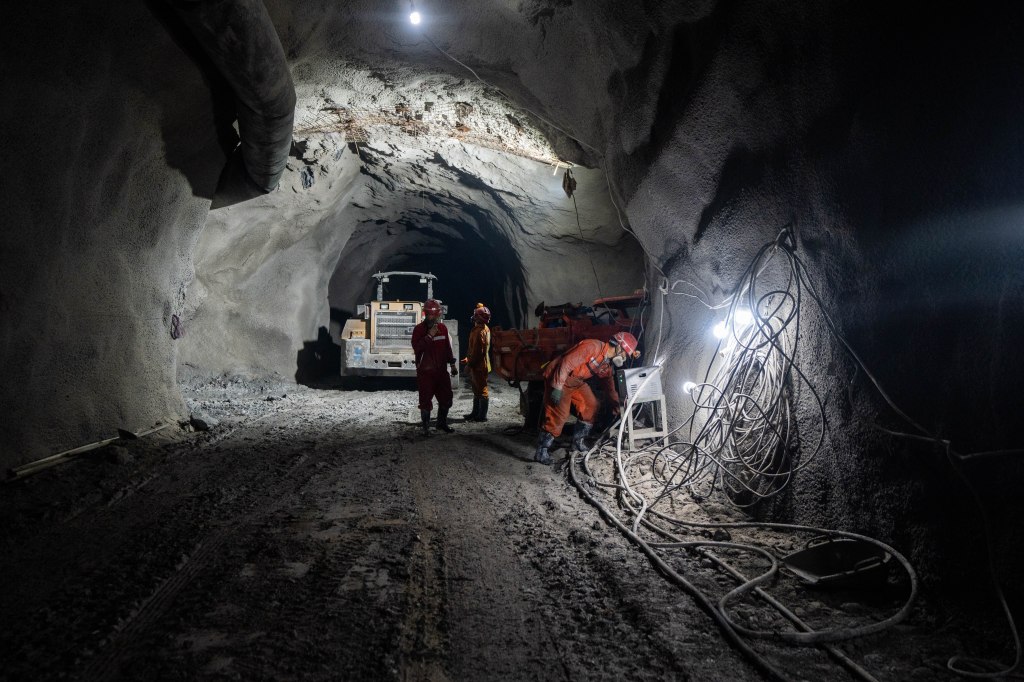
519, 355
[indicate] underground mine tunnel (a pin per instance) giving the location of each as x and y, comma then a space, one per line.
819, 206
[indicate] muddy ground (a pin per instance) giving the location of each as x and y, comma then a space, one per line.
315, 534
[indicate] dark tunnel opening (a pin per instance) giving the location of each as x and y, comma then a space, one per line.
474, 262
471, 270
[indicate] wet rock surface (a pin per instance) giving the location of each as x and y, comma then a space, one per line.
320, 536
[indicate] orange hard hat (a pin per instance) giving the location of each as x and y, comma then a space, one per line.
626, 342
482, 314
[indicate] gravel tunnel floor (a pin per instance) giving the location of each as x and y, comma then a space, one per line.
316, 534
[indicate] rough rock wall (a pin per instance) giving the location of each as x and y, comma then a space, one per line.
894, 153
262, 268
109, 160
498, 228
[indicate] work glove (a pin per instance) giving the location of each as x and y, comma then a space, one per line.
455, 370
556, 396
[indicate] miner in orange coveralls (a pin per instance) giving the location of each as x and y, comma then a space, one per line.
433, 349
565, 386
478, 362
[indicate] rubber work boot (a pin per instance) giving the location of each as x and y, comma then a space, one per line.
425, 418
475, 414
482, 414
442, 420
543, 443
581, 432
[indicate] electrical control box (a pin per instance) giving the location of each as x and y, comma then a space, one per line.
643, 383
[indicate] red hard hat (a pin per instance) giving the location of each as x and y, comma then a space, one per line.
482, 313
625, 341
432, 308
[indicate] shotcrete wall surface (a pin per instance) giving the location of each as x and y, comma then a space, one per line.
895, 166
513, 226
262, 269
98, 239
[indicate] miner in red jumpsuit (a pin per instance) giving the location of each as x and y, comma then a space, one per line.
565, 386
478, 362
433, 349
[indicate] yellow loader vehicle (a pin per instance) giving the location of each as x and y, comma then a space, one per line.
378, 341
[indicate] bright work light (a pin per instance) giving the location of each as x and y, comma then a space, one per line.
414, 18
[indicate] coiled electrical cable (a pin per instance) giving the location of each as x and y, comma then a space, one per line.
739, 439
741, 435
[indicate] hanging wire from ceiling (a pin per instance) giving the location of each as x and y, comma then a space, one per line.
568, 183
569, 187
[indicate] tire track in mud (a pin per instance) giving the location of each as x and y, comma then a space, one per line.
71, 527
603, 595
483, 599
153, 607
332, 564
251, 486
539, 622
424, 643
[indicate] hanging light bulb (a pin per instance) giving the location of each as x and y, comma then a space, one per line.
720, 330
689, 386
414, 18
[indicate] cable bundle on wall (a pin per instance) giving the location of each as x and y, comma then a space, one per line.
742, 439
741, 435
